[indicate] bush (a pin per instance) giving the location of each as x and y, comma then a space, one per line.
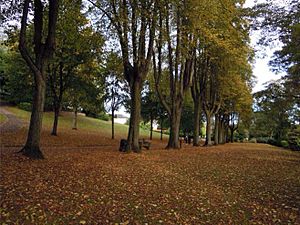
284, 143
145, 126
263, 140
103, 116
294, 140
272, 141
253, 140
25, 106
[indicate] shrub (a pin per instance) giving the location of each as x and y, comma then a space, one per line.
263, 140
253, 140
103, 116
145, 126
272, 141
294, 140
284, 143
25, 106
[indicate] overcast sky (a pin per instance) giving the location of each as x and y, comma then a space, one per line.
261, 69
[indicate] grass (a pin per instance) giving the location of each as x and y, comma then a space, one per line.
2, 118
84, 123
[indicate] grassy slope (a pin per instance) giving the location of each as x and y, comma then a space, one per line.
84, 123
2, 118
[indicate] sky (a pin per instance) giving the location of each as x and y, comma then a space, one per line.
261, 69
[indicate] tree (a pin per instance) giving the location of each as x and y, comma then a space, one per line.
77, 44
221, 42
281, 22
43, 51
114, 85
86, 91
275, 110
16, 78
134, 23
150, 107
180, 59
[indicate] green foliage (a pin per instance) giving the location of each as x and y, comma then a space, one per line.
272, 141
115, 93
284, 143
263, 140
25, 106
294, 139
74, 70
273, 113
281, 21
103, 116
15, 75
145, 126
187, 118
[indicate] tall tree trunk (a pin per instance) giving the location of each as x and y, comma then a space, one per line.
221, 131
161, 127
208, 129
226, 134
112, 124
216, 138
74, 127
32, 146
151, 125
55, 121
43, 51
231, 135
196, 123
57, 97
174, 128
135, 110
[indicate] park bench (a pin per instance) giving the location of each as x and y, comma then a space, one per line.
144, 143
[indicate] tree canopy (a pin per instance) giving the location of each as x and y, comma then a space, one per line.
191, 59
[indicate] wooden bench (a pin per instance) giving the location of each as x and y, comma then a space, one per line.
144, 143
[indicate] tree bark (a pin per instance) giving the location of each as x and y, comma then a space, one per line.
151, 125
135, 110
231, 135
74, 127
43, 51
55, 121
32, 146
221, 131
113, 124
208, 129
196, 130
226, 131
180, 69
161, 127
216, 138
175, 117
57, 97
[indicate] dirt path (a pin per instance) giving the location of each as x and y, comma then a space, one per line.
12, 123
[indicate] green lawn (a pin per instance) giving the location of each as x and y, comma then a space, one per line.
2, 118
84, 123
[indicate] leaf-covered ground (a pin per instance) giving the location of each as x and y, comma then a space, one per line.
85, 180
